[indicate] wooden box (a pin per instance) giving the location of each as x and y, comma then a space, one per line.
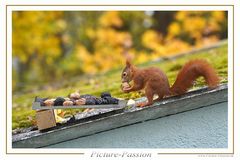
45, 119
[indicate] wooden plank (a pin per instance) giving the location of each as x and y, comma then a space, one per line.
121, 104
169, 106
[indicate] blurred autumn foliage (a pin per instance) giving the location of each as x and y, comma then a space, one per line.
50, 45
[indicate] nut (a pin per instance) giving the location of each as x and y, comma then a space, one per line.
68, 103
59, 101
49, 102
125, 85
74, 95
81, 101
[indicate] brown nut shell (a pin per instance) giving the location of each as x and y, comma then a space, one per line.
75, 95
81, 101
49, 102
125, 85
67, 103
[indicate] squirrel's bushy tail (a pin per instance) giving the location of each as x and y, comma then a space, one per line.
190, 72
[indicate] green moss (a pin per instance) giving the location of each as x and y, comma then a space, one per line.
111, 81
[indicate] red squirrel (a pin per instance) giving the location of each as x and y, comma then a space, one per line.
155, 81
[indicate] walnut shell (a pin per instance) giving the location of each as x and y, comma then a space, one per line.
75, 95
125, 85
81, 101
68, 103
49, 102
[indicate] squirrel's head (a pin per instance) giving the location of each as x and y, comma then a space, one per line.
127, 73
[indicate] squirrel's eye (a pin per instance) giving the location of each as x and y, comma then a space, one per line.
124, 74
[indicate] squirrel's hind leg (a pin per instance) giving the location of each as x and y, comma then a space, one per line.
149, 94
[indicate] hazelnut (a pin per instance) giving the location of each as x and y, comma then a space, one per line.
68, 103
49, 102
81, 101
74, 95
125, 85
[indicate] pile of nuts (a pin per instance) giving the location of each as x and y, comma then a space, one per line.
77, 99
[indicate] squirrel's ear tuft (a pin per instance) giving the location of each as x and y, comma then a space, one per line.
128, 62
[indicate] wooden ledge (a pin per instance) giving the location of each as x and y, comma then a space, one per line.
130, 115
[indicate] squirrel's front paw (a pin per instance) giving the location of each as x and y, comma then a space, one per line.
126, 87
126, 90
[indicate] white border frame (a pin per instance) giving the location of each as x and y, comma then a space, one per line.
228, 8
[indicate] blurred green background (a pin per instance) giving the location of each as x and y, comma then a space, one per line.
58, 52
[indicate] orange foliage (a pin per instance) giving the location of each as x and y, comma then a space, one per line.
37, 33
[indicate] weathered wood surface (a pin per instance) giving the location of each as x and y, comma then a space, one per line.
121, 104
173, 105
